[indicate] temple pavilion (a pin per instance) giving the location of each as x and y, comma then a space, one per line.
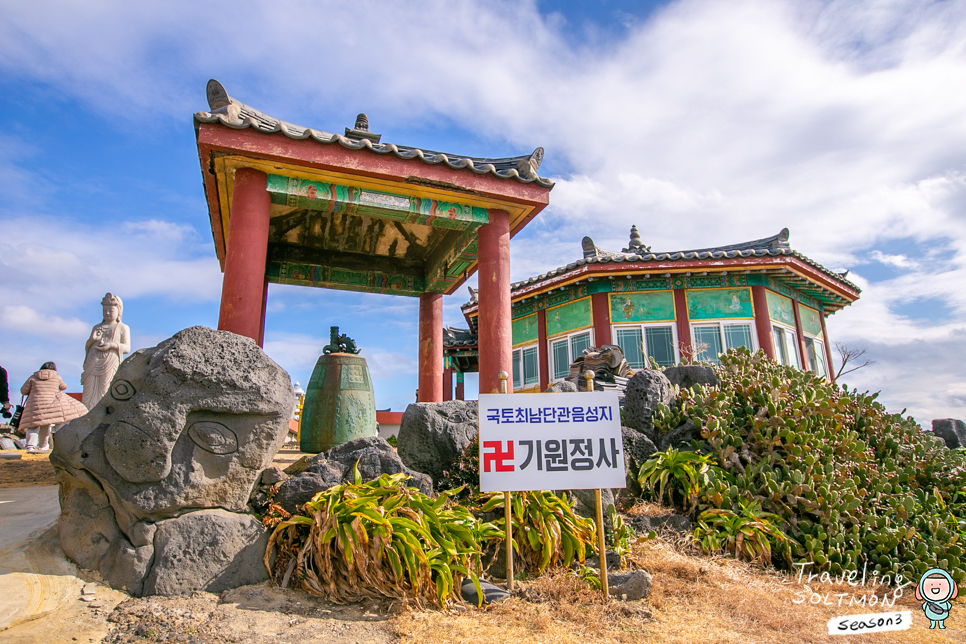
295, 205
663, 308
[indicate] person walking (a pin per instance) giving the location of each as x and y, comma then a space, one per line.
47, 407
4, 394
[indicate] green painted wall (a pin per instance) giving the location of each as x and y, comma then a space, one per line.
655, 306
525, 330
811, 321
720, 303
780, 308
569, 317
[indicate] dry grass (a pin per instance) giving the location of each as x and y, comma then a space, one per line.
29, 470
693, 599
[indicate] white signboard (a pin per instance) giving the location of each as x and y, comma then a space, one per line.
550, 442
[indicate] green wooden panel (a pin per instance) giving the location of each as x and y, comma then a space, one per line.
656, 306
780, 308
569, 317
811, 321
525, 330
720, 303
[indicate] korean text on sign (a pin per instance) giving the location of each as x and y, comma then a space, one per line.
550, 442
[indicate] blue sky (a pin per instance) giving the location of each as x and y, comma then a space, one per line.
702, 122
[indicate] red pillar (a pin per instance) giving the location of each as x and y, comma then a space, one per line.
683, 323
543, 349
762, 321
243, 287
447, 384
601, 312
496, 337
459, 385
261, 330
828, 348
430, 347
802, 354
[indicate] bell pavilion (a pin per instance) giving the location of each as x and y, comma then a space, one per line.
295, 205
663, 308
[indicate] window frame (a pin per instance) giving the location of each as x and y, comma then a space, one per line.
570, 358
675, 348
721, 324
796, 345
519, 352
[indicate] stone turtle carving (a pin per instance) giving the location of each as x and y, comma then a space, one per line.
168, 461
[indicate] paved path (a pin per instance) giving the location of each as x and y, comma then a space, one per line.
35, 577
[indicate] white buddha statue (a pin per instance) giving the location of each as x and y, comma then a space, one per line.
109, 341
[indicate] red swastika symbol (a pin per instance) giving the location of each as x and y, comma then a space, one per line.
498, 455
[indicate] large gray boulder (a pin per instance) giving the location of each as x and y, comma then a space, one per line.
186, 426
637, 449
645, 390
184, 558
432, 435
686, 376
680, 437
372, 455
952, 431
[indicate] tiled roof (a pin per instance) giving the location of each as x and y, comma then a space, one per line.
458, 337
235, 114
774, 246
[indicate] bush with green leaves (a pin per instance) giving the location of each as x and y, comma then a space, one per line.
682, 473
546, 532
851, 483
381, 539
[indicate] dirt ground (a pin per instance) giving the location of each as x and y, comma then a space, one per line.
693, 598
29, 469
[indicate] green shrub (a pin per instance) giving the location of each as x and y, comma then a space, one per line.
850, 482
546, 532
381, 539
749, 535
686, 472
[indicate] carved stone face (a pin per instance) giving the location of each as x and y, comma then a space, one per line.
111, 313
187, 424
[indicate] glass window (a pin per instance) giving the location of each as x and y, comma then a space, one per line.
660, 345
517, 383
632, 346
787, 352
561, 360
781, 354
577, 344
708, 340
530, 366
815, 351
738, 335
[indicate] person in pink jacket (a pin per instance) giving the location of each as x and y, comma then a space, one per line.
47, 407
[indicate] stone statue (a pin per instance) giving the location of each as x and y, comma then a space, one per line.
109, 341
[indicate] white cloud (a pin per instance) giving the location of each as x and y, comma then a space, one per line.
23, 319
710, 123
899, 261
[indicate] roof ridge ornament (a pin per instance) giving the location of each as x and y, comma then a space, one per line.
219, 102
361, 130
635, 245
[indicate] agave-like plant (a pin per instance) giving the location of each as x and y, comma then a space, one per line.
381, 539
747, 535
686, 470
546, 532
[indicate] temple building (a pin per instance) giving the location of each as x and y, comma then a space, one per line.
663, 308
296, 205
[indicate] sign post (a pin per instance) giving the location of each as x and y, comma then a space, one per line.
561, 441
507, 511
599, 507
